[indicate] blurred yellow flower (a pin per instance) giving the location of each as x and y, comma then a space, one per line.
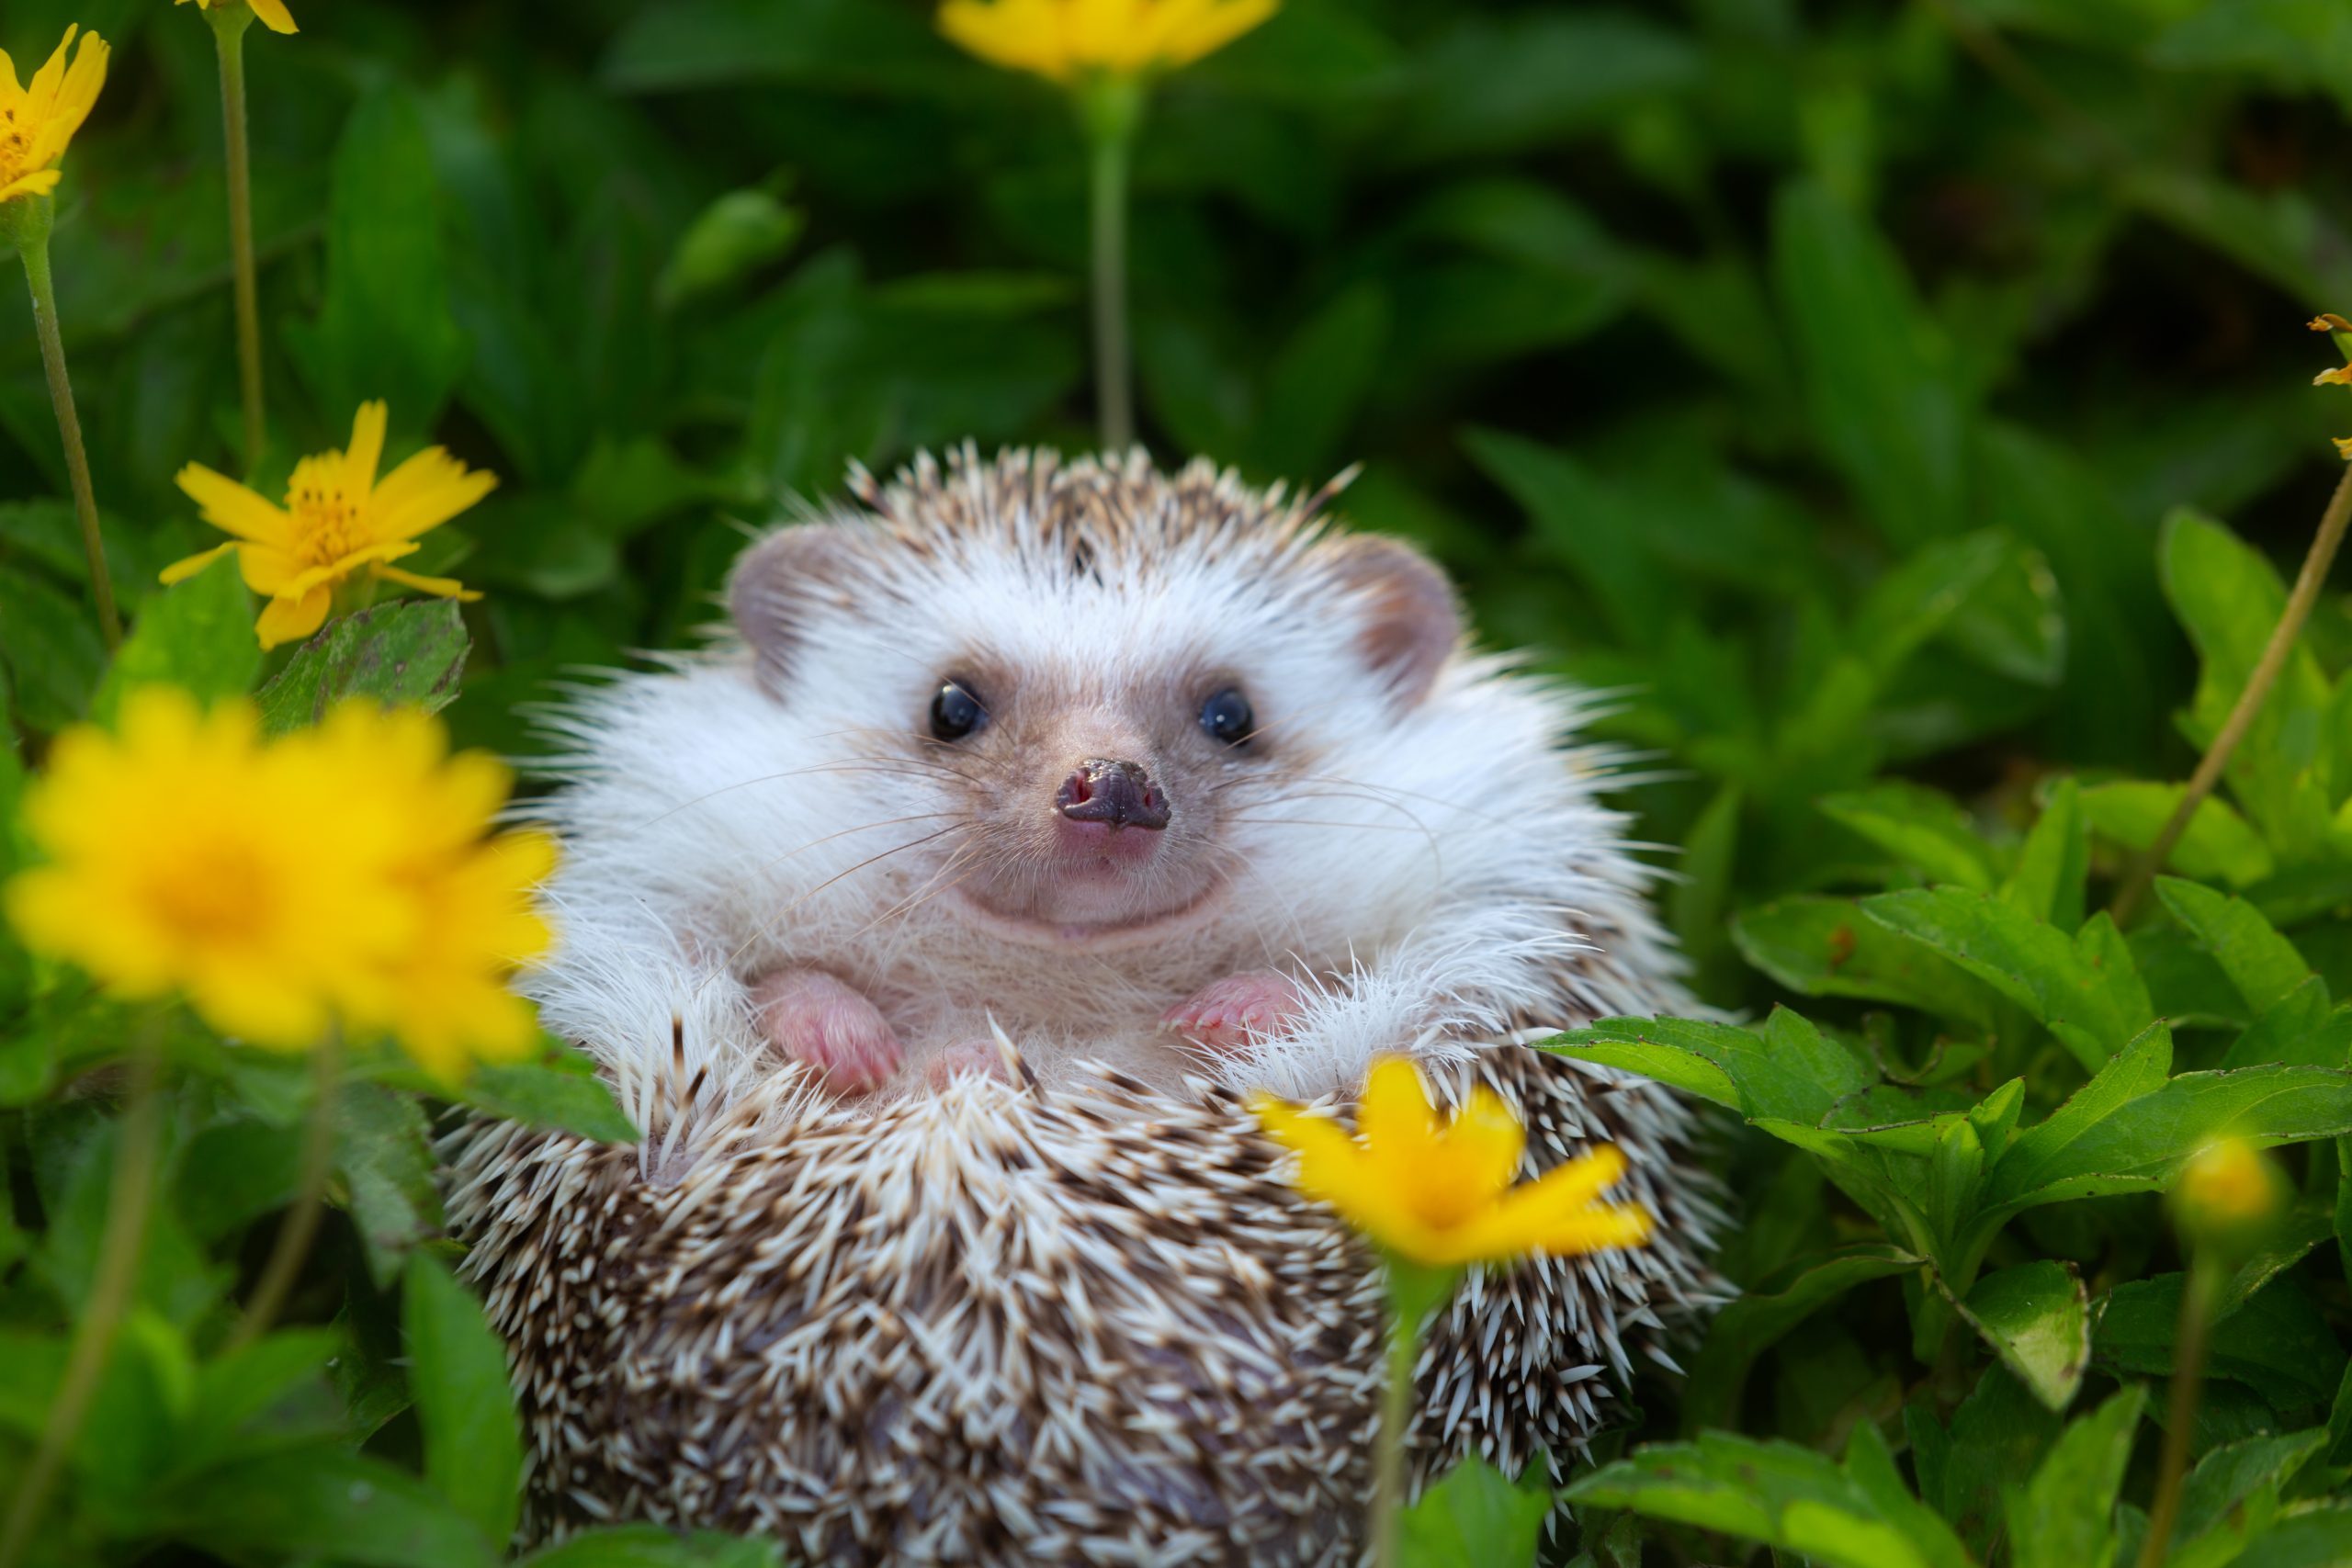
1441, 1195
2342, 375
345, 873
337, 519
39, 119
273, 13
2227, 1186
1064, 40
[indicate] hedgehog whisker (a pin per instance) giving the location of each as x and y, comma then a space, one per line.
770, 924
903, 766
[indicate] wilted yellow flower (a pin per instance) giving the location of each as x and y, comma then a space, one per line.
273, 13
38, 120
2342, 375
337, 519
345, 873
1064, 40
1441, 1195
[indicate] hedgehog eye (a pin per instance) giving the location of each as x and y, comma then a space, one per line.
1226, 717
956, 713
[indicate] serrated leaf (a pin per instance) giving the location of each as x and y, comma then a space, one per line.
2262, 966
2036, 1318
473, 1440
2048, 880
559, 1091
386, 1153
197, 635
1827, 947
1922, 828
1790, 1071
2065, 1516
2217, 845
394, 653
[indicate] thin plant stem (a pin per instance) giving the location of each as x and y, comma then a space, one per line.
229, 25
1388, 1452
1114, 396
2308, 584
300, 1225
119, 1249
35, 254
2197, 1301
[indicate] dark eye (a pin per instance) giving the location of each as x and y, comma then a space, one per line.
956, 713
1226, 716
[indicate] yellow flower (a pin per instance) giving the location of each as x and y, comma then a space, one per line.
343, 874
185, 854
1064, 40
273, 13
37, 121
338, 518
1441, 1195
2226, 1187
443, 996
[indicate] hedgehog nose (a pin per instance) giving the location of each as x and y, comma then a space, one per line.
1120, 794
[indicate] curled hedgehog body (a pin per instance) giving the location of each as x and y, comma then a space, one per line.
1171, 788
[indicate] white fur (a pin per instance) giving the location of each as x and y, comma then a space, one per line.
1427, 872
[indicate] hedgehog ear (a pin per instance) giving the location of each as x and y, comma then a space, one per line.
778, 583
1410, 621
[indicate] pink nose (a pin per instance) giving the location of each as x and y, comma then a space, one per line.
1117, 794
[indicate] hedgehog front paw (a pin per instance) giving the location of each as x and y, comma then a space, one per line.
808, 1016
1226, 1015
967, 1058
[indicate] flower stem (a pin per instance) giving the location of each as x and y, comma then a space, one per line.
1112, 108
1415, 1290
229, 25
296, 1232
69, 431
2306, 593
2197, 1299
119, 1249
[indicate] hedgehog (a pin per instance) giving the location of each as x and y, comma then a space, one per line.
931, 924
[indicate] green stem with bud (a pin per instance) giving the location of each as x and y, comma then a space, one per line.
1111, 109
25, 221
229, 25
2197, 1297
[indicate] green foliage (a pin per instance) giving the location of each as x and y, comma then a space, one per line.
1899, 409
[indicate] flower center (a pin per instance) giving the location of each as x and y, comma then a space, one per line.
327, 522
214, 895
15, 142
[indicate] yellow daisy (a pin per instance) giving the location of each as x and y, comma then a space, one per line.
1441, 1195
185, 853
273, 13
338, 518
39, 119
1063, 40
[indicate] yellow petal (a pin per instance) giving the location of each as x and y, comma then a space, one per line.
287, 620
274, 15
447, 587
1329, 1163
40, 182
366, 451
268, 570
1217, 25
1395, 1119
2339, 377
181, 571
2343, 447
230, 507
425, 492
343, 566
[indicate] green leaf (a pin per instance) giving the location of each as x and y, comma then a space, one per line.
51, 644
385, 1149
1776, 1492
2262, 966
2087, 991
560, 1091
395, 653
1531, 79
1318, 382
318, 1505
2065, 1516
1879, 378
1827, 947
384, 330
473, 1440
2217, 845
2231, 1497
2040, 1155
2047, 882
656, 1546
2036, 1318
1476, 1514
2278, 1344
1921, 828
1758, 1318
1999, 1438
197, 635
735, 235
1790, 1071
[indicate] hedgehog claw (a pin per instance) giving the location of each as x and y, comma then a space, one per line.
1230, 1013
810, 1017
